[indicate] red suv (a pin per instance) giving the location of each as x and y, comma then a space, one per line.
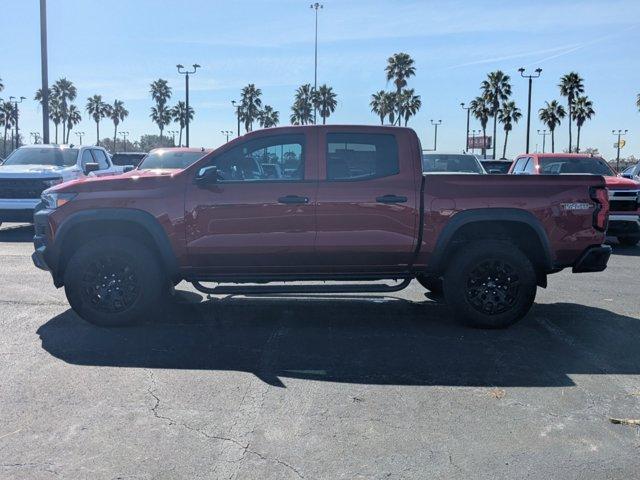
624, 193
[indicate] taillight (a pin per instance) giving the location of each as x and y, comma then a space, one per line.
601, 213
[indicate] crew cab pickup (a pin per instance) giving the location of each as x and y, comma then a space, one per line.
624, 193
30, 170
276, 209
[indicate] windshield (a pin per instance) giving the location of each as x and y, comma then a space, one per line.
169, 160
589, 165
432, 162
57, 157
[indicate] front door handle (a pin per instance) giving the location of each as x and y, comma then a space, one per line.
391, 199
291, 199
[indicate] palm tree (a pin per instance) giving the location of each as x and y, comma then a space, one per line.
551, 115
179, 115
496, 89
1, 85
6, 120
73, 119
399, 68
324, 100
582, 110
250, 105
268, 117
571, 85
66, 92
638, 101
408, 104
161, 116
117, 113
160, 92
55, 114
481, 111
509, 114
382, 105
98, 110
302, 106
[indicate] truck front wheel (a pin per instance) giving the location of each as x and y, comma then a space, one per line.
490, 284
113, 281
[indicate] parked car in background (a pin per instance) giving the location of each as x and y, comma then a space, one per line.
624, 193
127, 158
632, 172
451, 163
31, 169
344, 203
177, 158
496, 166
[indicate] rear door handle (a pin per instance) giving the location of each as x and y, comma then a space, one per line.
291, 199
391, 199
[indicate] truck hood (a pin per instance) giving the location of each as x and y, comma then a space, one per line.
33, 171
132, 180
621, 183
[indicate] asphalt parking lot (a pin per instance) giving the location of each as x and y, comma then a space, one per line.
361, 387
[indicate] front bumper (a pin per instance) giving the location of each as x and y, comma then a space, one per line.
593, 259
624, 226
44, 256
18, 210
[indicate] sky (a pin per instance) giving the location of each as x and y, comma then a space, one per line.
117, 48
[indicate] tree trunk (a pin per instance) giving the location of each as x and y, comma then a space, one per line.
56, 132
578, 140
484, 142
68, 133
495, 132
98, 133
382, 119
160, 137
115, 137
4, 143
324, 120
553, 142
504, 149
569, 101
180, 140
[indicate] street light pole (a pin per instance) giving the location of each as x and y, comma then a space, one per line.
186, 74
473, 140
16, 115
237, 106
544, 134
537, 73
45, 71
619, 134
226, 133
124, 140
173, 136
435, 136
316, 6
81, 134
466, 139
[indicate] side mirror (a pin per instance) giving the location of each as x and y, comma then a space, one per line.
208, 176
90, 167
127, 168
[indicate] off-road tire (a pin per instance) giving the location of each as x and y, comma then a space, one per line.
490, 284
114, 281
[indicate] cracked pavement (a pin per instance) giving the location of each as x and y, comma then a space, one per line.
355, 387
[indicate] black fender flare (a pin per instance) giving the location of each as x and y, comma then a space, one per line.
128, 215
466, 217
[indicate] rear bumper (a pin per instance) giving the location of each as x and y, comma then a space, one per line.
624, 226
593, 259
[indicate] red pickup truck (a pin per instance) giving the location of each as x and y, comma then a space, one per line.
624, 193
318, 203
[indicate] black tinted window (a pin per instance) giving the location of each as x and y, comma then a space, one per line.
59, 157
435, 162
361, 156
557, 165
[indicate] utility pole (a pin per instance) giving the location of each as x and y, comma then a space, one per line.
466, 139
124, 140
537, 73
316, 6
186, 74
619, 134
237, 106
16, 116
45, 71
435, 136
544, 134
226, 133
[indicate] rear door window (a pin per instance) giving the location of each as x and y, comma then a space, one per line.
361, 156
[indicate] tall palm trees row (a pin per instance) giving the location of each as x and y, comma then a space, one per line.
161, 114
403, 103
579, 107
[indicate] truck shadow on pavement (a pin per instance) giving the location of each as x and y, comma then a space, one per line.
16, 233
368, 340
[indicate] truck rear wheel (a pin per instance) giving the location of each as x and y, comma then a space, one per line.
114, 281
490, 284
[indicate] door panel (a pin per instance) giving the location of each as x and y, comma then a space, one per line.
260, 216
367, 212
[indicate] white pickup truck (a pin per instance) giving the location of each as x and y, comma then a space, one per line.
29, 170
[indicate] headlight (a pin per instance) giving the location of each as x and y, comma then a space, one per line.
55, 200
52, 181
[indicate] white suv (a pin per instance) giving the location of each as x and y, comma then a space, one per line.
29, 170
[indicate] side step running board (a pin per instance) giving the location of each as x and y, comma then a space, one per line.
284, 289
